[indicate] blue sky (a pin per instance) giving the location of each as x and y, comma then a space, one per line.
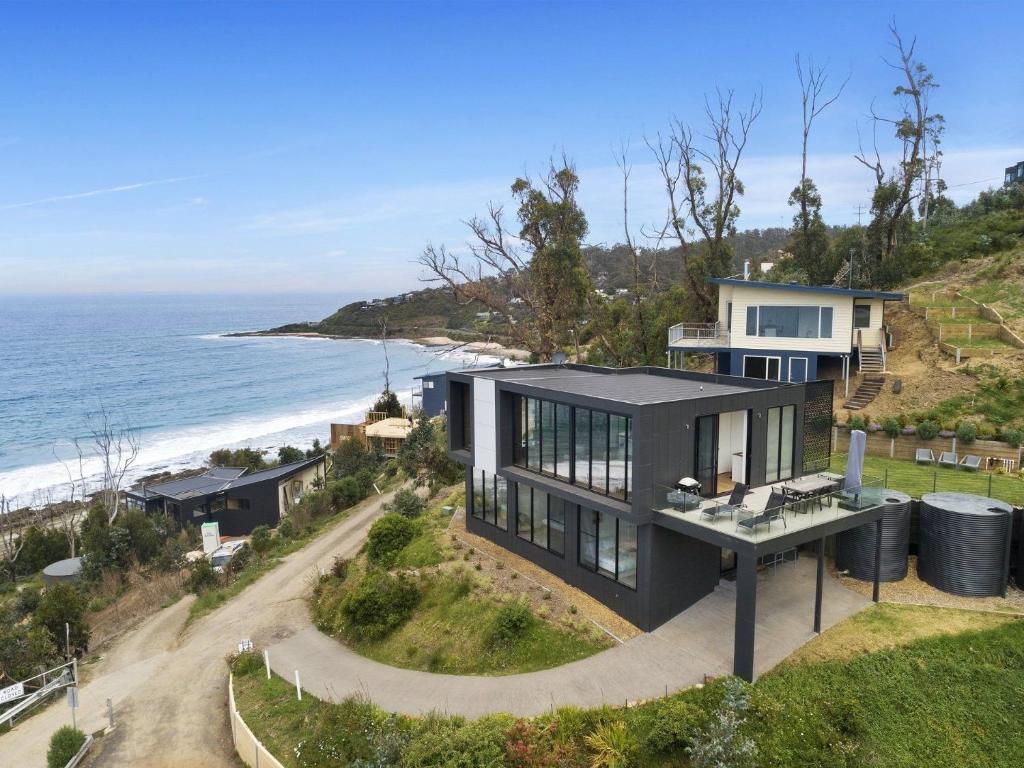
318, 147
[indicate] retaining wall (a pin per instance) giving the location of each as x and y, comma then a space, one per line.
248, 747
904, 447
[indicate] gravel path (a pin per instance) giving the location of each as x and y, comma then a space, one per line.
169, 688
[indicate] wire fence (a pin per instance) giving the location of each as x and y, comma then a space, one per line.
917, 480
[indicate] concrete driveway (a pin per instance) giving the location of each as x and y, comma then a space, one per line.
677, 655
169, 689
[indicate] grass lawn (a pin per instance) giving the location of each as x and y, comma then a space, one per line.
450, 629
914, 691
919, 479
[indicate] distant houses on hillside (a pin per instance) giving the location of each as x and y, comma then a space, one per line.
1015, 174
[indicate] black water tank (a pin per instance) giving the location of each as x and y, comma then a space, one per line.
856, 553
963, 543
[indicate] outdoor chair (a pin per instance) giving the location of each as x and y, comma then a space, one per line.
733, 505
773, 510
924, 456
971, 463
947, 459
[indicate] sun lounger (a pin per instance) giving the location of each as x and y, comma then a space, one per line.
947, 459
773, 510
971, 463
924, 456
733, 505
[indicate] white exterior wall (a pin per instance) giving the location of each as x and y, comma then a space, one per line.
485, 439
724, 297
842, 319
284, 488
871, 335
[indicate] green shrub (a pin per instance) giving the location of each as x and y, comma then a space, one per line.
891, 426
672, 724
64, 744
407, 504
260, 540
379, 604
286, 528
345, 492
612, 745
511, 622
856, 422
61, 604
387, 537
26, 601
202, 577
967, 432
248, 663
1012, 436
927, 430
448, 743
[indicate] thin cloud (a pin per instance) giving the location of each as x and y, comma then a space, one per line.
99, 192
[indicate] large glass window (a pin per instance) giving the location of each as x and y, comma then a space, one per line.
779, 455
489, 499
608, 546
599, 451
761, 367
539, 519
524, 512
796, 322
582, 464
547, 437
588, 448
563, 442
618, 433
501, 502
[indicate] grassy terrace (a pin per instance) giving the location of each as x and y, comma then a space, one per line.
891, 687
919, 479
452, 626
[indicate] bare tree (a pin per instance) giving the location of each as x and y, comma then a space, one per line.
116, 445
535, 279
639, 285
68, 515
895, 188
11, 540
682, 157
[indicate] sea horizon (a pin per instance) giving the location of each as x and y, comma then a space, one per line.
163, 364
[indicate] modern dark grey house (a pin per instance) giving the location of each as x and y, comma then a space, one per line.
432, 393
233, 497
577, 468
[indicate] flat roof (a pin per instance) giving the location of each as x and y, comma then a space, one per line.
857, 293
637, 386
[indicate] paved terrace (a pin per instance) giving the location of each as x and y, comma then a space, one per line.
676, 655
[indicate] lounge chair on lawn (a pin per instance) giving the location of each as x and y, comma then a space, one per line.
924, 456
948, 459
733, 505
773, 510
971, 463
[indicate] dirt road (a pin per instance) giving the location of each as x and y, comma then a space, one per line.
168, 688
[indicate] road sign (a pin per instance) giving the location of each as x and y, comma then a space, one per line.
73, 696
12, 692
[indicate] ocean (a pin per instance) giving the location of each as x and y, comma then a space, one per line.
163, 365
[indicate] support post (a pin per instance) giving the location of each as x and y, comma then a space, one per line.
746, 615
820, 551
298, 686
266, 661
878, 560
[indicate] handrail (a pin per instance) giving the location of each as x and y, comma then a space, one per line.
694, 331
882, 345
860, 349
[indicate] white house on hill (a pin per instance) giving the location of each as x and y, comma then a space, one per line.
782, 331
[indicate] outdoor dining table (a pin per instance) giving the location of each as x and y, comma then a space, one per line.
808, 488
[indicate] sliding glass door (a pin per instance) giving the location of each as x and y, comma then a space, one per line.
706, 454
779, 455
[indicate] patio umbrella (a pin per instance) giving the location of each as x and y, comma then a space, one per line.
855, 459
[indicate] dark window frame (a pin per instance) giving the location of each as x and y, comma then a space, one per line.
489, 513
522, 458
862, 308
532, 539
580, 510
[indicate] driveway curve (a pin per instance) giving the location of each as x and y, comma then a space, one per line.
678, 654
168, 688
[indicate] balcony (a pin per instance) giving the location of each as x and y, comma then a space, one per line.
698, 336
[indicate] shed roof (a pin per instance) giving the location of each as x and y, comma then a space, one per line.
390, 427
